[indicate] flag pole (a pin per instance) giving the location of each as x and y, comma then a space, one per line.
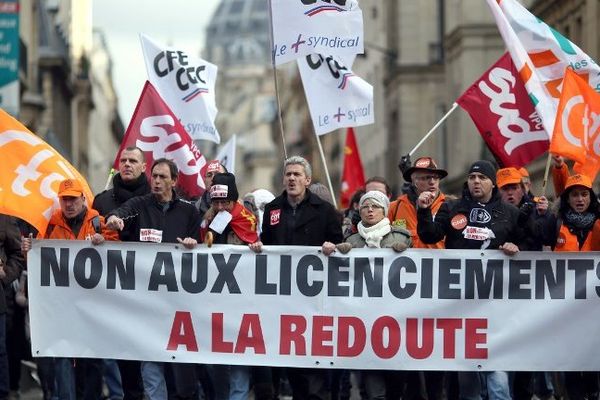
326, 170
440, 122
110, 176
546, 173
271, 37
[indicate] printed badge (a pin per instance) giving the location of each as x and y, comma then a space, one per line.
275, 216
151, 235
459, 221
480, 216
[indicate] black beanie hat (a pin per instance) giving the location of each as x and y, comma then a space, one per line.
484, 167
224, 187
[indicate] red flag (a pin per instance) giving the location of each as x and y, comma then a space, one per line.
577, 115
501, 109
353, 177
155, 129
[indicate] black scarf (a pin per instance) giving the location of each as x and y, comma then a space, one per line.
124, 191
579, 221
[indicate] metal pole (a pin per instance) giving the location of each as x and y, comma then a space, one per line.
440, 122
271, 37
326, 171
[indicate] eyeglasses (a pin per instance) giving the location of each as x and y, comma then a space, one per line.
371, 207
426, 178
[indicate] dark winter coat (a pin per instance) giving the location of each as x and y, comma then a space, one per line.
454, 216
313, 222
176, 219
10, 252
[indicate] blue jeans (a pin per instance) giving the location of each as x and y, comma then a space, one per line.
473, 384
153, 376
64, 378
112, 377
3, 358
239, 382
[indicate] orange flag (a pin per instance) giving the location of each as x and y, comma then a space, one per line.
353, 176
577, 127
31, 173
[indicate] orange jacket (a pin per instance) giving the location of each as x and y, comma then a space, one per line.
566, 241
403, 213
559, 178
59, 229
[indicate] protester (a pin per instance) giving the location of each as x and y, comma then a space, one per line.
478, 220
378, 183
298, 217
11, 265
74, 221
423, 176
352, 214
129, 182
375, 231
162, 217
576, 227
256, 201
212, 168
240, 229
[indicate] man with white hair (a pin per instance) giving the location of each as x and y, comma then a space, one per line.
298, 217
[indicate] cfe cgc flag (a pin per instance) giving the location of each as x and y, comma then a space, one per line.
31, 173
157, 132
336, 97
541, 55
303, 27
187, 85
577, 128
504, 115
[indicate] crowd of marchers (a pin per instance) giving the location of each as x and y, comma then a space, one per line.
496, 210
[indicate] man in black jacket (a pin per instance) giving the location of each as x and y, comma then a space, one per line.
298, 217
478, 220
131, 181
11, 265
162, 217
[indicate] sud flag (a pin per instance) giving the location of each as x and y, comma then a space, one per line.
353, 175
187, 84
541, 55
336, 97
155, 129
577, 128
504, 115
31, 173
304, 27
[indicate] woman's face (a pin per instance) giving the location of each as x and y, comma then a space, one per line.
371, 213
579, 199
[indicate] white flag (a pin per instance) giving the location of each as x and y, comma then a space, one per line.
187, 84
336, 97
226, 155
303, 27
541, 55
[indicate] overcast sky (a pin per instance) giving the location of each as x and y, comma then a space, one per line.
180, 23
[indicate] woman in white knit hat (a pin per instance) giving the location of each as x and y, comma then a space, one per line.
374, 228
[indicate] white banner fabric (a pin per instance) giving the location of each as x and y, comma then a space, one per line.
292, 306
187, 84
302, 27
336, 97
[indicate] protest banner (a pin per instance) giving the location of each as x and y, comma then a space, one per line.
292, 306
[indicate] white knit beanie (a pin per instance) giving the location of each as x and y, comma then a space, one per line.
377, 198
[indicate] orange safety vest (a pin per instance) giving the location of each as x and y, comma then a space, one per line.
59, 229
567, 241
404, 214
